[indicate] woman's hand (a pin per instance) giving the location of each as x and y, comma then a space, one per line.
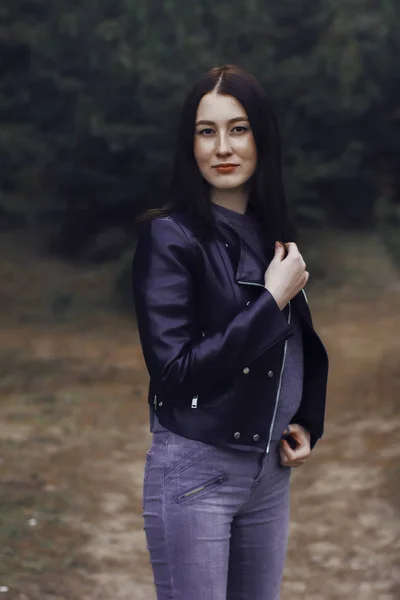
298, 456
285, 277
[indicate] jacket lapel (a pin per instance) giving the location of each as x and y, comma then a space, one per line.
252, 259
248, 238
250, 268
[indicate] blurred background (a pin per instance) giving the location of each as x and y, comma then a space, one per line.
90, 94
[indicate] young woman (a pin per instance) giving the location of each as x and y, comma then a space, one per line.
234, 362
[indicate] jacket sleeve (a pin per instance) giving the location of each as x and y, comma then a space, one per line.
165, 266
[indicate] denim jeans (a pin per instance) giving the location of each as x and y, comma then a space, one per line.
216, 520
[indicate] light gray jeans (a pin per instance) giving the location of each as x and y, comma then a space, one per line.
216, 520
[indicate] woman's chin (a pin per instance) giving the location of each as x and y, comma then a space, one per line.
227, 184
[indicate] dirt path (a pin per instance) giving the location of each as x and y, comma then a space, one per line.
73, 433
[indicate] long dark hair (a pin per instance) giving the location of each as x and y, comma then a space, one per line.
190, 193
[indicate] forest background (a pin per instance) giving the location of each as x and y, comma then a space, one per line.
90, 94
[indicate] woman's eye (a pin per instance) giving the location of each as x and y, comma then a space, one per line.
206, 132
239, 129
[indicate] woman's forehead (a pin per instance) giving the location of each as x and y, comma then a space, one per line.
219, 108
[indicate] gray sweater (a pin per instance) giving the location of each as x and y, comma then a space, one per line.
290, 394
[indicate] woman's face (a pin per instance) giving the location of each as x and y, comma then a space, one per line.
224, 145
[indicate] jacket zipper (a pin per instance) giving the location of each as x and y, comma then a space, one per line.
281, 372
250, 283
278, 393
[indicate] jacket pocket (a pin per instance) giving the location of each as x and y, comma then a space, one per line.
200, 489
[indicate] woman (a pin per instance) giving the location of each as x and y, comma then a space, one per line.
234, 361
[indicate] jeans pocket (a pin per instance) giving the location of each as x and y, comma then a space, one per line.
199, 489
182, 454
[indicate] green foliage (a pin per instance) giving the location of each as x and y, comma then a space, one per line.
90, 94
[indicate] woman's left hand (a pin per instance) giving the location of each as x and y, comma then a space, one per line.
298, 456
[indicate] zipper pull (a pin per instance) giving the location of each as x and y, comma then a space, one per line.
194, 401
155, 401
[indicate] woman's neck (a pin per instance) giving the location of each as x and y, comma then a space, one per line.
236, 200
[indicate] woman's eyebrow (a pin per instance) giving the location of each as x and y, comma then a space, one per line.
234, 120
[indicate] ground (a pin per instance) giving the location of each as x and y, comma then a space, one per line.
73, 434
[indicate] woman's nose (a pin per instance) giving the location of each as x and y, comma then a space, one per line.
223, 146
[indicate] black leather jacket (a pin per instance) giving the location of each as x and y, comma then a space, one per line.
213, 337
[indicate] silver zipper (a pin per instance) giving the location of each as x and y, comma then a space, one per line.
250, 283
279, 386
212, 483
155, 401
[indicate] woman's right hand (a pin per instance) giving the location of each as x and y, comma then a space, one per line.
285, 277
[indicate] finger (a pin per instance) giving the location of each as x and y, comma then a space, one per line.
301, 451
303, 454
287, 451
300, 434
292, 248
280, 251
292, 463
297, 432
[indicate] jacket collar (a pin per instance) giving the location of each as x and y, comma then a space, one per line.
245, 234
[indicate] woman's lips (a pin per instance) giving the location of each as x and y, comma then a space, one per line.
226, 168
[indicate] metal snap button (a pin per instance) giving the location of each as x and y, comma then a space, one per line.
236, 435
227, 245
270, 373
247, 303
256, 437
160, 403
246, 370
